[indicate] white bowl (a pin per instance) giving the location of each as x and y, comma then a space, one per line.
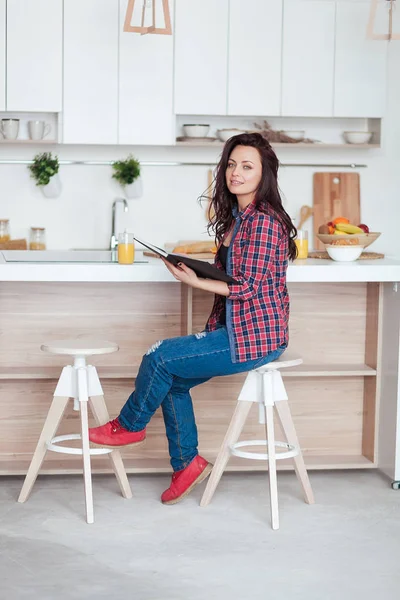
357, 137
344, 253
196, 131
296, 134
225, 134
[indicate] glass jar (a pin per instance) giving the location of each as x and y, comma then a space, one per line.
37, 238
4, 230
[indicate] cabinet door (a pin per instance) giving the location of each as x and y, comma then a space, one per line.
34, 55
91, 72
308, 58
201, 53
360, 64
2, 54
254, 63
145, 85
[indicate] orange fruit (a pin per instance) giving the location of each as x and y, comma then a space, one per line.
340, 220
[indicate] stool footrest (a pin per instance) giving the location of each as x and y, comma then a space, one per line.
291, 450
53, 445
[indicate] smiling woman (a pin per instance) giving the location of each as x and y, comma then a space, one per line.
248, 324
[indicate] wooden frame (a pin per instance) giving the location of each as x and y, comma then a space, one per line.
128, 27
370, 27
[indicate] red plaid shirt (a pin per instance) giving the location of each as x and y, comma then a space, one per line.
257, 308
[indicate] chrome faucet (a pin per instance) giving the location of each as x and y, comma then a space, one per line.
114, 241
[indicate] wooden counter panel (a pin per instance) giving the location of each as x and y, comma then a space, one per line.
327, 414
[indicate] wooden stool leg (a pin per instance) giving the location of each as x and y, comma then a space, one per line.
100, 413
273, 485
87, 474
232, 435
53, 419
288, 427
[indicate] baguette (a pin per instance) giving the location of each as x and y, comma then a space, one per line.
195, 248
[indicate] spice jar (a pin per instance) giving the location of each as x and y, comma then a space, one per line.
4, 230
37, 238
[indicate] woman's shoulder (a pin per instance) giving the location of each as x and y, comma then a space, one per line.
268, 220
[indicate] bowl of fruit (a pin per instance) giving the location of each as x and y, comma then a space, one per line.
341, 228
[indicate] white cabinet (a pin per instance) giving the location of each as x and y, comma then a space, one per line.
34, 55
254, 57
308, 58
145, 85
201, 55
91, 71
360, 64
2, 54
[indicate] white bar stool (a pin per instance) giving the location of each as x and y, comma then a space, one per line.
81, 383
265, 386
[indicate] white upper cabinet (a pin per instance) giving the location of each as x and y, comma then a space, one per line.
360, 64
145, 84
254, 63
308, 58
34, 55
91, 71
2, 54
201, 55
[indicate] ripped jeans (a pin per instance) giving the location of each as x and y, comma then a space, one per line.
167, 372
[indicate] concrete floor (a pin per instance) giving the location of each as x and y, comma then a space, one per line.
347, 546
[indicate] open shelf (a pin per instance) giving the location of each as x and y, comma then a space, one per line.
28, 142
73, 466
123, 372
218, 144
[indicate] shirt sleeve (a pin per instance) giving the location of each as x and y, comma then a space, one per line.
257, 259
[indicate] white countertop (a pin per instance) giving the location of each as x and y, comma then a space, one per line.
310, 270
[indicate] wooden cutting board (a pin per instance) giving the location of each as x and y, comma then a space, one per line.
335, 195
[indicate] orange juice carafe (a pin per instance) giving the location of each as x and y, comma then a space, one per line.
126, 248
4, 230
302, 244
37, 238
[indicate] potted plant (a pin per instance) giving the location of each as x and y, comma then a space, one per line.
45, 171
127, 173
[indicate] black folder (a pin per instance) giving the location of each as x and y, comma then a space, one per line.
201, 268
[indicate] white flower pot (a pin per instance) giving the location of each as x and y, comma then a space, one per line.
135, 189
53, 188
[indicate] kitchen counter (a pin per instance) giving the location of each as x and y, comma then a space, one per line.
345, 324
310, 270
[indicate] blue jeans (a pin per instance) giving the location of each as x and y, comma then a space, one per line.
168, 371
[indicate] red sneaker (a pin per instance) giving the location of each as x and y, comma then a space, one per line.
184, 481
113, 435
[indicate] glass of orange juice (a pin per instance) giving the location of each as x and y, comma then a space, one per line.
126, 248
302, 244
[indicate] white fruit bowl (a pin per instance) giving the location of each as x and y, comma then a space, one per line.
196, 131
225, 134
357, 137
344, 253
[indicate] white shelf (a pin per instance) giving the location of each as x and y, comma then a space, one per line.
28, 142
70, 466
218, 144
123, 372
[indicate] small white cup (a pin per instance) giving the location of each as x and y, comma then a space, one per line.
38, 129
9, 128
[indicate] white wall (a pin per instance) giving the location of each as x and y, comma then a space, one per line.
169, 209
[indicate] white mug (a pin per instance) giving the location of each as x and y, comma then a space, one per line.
38, 129
9, 128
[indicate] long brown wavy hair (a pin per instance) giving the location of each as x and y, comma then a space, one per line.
267, 198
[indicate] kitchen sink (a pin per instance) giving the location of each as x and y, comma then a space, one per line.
64, 256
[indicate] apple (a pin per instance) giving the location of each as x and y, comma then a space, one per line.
365, 228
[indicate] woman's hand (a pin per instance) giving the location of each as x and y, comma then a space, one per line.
182, 273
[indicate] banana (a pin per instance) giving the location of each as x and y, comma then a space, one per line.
348, 228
